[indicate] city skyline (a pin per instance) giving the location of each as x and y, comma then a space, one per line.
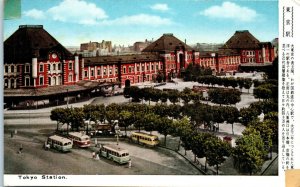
197, 21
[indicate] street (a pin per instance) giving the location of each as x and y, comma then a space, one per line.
35, 160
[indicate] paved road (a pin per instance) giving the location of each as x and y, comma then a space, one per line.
35, 160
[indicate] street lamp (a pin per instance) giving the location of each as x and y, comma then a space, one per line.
117, 130
67, 98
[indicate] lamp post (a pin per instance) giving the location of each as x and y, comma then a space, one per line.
117, 130
67, 98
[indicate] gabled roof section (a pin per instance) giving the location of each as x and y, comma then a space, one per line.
166, 43
29, 41
242, 40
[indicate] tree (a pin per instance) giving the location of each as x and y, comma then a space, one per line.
58, 115
249, 152
125, 119
247, 115
164, 96
135, 93
247, 84
181, 128
262, 92
185, 95
231, 115
76, 118
173, 96
216, 151
151, 121
164, 127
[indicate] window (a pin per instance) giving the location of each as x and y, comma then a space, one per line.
143, 68
41, 67
54, 67
85, 73
92, 72
12, 69
104, 71
116, 70
6, 69
41, 80
70, 79
49, 67
27, 68
152, 67
157, 67
98, 71
129, 70
12, 82
124, 70
161, 66
137, 68
110, 71
27, 81
58, 66
70, 66
148, 67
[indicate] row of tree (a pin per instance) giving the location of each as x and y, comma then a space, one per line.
217, 95
226, 81
224, 96
152, 94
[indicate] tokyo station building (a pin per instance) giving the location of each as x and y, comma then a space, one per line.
38, 68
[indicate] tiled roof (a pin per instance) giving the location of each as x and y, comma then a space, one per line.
242, 40
29, 41
121, 58
51, 90
166, 42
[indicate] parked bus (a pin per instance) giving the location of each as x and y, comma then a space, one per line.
59, 143
115, 153
79, 139
144, 138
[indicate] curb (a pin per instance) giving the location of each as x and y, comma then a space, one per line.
203, 172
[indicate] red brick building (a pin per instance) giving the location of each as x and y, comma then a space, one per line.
251, 50
36, 65
175, 54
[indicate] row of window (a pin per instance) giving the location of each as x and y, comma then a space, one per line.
51, 67
130, 70
250, 53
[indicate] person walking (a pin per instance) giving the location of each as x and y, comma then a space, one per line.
21, 149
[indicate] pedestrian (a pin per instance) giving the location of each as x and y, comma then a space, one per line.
94, 154
21, 149
97, 157
129, 164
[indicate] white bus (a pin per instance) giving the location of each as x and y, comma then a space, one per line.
79, 139
59, 143
115, 153
145, 139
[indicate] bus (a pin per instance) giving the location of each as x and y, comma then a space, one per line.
145, 139
79, 139
59, 143
115, 153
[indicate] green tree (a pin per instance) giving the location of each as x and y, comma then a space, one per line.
249, 152
185, 95
164, 127
216, 151
125, 119
58, 115
173, 96
248, 114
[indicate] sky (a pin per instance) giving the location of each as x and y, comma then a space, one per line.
124, 22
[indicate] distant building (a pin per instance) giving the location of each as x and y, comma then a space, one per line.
95, 48
140, 46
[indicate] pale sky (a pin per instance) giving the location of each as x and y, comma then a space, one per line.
124, 22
